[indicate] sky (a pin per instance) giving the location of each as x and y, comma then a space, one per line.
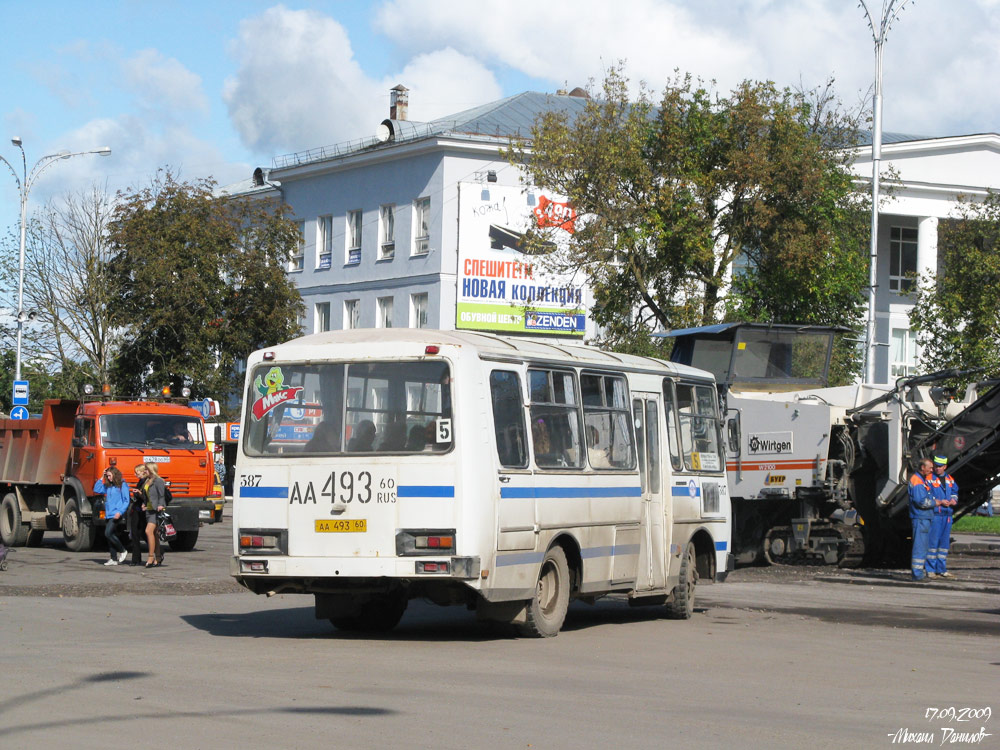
215, 88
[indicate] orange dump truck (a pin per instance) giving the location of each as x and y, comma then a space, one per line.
48, 467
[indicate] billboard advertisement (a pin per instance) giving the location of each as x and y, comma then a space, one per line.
502, 289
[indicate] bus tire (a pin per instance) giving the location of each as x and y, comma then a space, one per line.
77, 533
546, 610
13, 530
681, 604
184, 541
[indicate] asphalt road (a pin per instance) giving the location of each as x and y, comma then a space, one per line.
180, 656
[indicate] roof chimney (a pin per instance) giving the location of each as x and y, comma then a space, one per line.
399, 98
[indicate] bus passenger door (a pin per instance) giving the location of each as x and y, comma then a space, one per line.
651, 574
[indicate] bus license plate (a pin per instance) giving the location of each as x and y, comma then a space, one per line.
342, 524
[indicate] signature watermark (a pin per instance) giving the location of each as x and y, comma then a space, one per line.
947, 735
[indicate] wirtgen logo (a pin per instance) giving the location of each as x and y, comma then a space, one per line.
770, 442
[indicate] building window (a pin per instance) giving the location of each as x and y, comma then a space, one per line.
383, 312
421, 226
300, 319
387, 232
352, 313
322, 317
418, 310
903, 353
296, 261
902, 259
324, 241
353, 237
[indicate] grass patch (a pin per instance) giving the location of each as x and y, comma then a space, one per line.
978, 525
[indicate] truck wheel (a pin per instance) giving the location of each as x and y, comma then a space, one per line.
35, 537
547, 609
184, 541
77, 533
681, 605
13, 531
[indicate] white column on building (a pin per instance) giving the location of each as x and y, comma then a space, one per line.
927, 242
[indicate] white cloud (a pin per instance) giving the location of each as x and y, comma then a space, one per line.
163, 84
937, 68
442, 83
298, 84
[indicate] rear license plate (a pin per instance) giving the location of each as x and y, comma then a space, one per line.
344, 525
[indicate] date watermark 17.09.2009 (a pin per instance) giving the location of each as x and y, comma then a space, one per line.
947, 735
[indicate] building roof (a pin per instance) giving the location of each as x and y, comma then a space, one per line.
511, 117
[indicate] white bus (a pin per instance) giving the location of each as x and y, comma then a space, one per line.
512, 476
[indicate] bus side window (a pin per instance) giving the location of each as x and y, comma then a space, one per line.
508, 419
555, 419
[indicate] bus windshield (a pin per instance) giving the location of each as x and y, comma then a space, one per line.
336, 408
151, 431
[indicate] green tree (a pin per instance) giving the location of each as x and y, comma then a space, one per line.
670, 195
957, 313
201, 284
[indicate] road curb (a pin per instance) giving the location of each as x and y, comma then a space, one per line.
888, 580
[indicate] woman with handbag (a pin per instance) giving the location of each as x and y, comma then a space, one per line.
155, 490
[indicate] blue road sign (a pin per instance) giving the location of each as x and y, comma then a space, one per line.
20, 393
19, 412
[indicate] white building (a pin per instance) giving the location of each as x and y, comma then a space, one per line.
416, 226
929, 176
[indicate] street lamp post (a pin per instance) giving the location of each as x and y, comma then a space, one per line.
24, 184
890, 10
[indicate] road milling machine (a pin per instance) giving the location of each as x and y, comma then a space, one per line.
818, 473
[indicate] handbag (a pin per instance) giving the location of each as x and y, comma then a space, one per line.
165, 527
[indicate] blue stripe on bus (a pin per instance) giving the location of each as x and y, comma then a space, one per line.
425, 490
685, 491
534, 558
275, 492
721, 546
618, 549
520, 558
569, 492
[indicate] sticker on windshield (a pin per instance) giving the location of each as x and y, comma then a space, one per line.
272, 392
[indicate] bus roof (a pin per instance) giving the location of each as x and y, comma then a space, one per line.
485, 344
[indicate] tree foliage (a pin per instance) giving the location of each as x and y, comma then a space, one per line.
957, 313
671, 194
200, 283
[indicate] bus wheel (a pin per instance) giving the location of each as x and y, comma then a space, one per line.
546, 611
77, 533
681, 603
184, 541
13, 532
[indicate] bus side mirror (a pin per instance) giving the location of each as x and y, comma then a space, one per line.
733, 435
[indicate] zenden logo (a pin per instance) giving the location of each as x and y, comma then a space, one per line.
536, 320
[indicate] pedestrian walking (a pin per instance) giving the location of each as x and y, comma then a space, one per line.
921, 514
116, 500
155, 490
945, 499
